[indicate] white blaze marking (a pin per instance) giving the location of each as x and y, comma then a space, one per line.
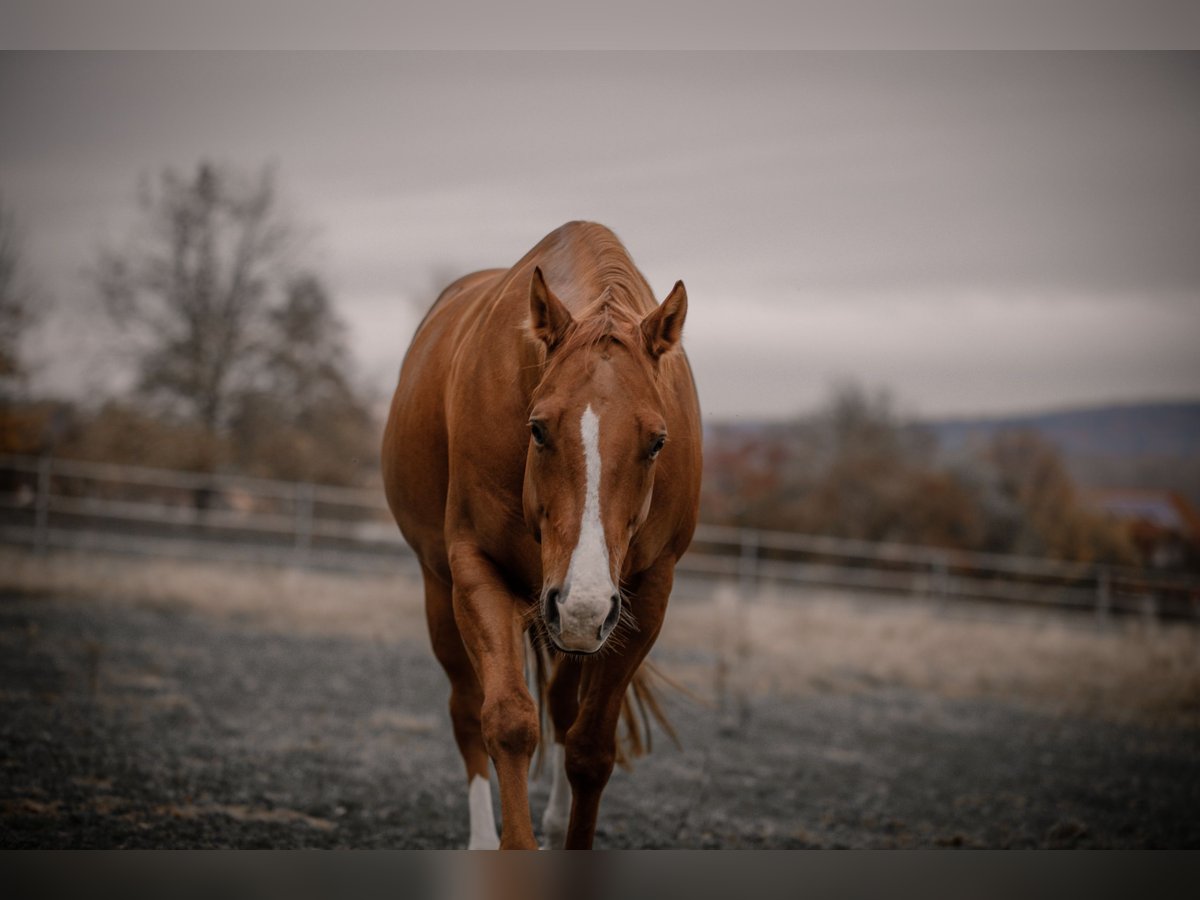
483, 820
558, 809
590, 586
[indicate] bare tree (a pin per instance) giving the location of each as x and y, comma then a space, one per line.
17, 311
307, 418
306, 356
193, 290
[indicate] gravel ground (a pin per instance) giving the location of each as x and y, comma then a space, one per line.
142, 725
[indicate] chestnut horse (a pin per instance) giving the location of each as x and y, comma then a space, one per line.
542, 458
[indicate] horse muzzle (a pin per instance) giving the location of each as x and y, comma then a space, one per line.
579, 624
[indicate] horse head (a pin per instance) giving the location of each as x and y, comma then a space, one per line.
597, 428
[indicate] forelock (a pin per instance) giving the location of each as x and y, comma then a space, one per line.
604, 321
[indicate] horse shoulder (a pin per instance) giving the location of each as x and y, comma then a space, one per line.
415, 450
488, 441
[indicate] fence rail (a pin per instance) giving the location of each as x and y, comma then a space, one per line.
53, 503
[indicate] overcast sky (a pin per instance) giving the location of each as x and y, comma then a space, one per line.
978, 233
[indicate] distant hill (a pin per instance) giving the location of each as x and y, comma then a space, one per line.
1149, 445
1142, 429
1132, 445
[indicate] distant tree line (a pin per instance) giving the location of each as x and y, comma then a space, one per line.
857, 469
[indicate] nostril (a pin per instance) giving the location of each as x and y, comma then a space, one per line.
610, 621
550, 610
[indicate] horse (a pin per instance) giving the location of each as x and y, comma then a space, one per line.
542, 458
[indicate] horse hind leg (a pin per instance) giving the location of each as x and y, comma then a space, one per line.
466, 701
563, 699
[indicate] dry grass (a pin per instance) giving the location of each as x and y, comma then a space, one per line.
1126, 670
1122, 670
386, 608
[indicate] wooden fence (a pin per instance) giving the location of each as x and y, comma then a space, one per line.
50, 503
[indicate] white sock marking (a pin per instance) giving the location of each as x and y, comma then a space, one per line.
483, 820
558, 809
591, 587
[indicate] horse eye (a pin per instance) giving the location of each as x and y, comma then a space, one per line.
538, 430
657, 445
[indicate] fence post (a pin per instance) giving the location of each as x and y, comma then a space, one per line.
732, 659
41, 508
748, 561
1103, 593
940, 565
304, 522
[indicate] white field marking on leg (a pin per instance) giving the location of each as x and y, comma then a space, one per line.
590, 582
483, 820
558, 808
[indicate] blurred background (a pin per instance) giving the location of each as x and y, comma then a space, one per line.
944, 316
944, 299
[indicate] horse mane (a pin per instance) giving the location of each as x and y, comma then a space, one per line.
604, 321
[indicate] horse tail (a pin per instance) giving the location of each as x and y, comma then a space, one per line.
641, 707
538, 668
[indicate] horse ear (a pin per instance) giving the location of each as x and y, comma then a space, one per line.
662, 327
548, 318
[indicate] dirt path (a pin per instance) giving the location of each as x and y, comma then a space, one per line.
143, 725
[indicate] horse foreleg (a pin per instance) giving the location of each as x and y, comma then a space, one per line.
591, 746
563, 701
466, 700
490, 622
